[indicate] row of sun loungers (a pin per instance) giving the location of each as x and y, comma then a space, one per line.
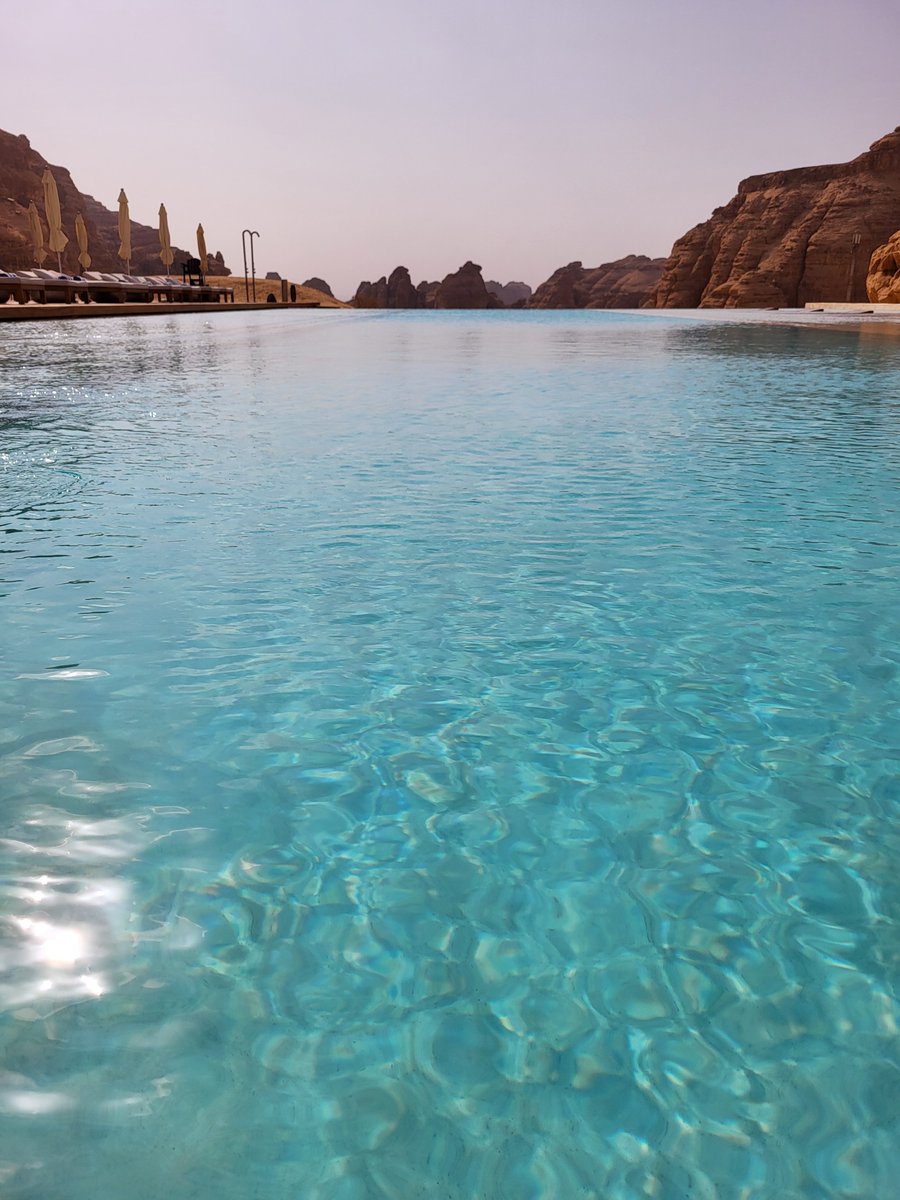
47, 287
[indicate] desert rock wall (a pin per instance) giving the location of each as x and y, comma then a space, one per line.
625, 283
21, 168
789, 237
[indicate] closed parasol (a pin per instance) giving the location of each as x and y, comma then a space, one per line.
124, 250
81, 237
58, 240
37, 234
165, 245
201, 249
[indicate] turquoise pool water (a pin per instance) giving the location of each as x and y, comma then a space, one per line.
449, 755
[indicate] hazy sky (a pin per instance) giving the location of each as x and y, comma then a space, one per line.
359, 134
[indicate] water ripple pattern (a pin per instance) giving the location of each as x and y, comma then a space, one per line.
449, 755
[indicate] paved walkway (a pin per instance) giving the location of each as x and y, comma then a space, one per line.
838, 307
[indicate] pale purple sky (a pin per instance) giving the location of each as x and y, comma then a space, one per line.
359, 134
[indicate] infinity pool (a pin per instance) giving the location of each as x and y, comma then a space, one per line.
449, 756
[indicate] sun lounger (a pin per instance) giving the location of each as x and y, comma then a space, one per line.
9, 286
45, 287
60, 286
110, 289
176, 289
137, 290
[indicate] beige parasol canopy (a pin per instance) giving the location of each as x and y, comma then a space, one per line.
81, 237
124, 250
165, 245
58, 240
37, 234
201, 249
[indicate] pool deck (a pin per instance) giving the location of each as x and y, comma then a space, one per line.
65, 312
834, 306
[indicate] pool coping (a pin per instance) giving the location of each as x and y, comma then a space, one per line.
64, 312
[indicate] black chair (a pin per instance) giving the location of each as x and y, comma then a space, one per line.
192, 272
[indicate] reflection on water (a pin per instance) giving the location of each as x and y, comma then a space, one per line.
448, 754
66, 905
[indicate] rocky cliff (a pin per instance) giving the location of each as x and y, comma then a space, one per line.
21, 169
465, 289
427, 289
511, 295
883, 280
318, 285
394, 291
788, 237
625, 283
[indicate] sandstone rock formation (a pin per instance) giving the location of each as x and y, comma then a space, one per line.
883, 280
464, 289
397, 291
625, 283
428, 290
21, 169
318, 284
788, 237
371, 295
510, 295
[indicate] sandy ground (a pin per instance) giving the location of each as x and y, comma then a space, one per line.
265, 286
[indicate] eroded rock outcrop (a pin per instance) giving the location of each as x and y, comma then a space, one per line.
371, 295
394, 291
883, 279
511, 295
787, 237
464, 289
427, 289
319, 285
21, 168
626, 283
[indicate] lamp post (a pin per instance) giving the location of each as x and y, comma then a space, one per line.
253, 234
857, 238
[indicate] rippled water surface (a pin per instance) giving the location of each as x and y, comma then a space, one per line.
448, 756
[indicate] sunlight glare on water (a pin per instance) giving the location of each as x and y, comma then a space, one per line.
449, 755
